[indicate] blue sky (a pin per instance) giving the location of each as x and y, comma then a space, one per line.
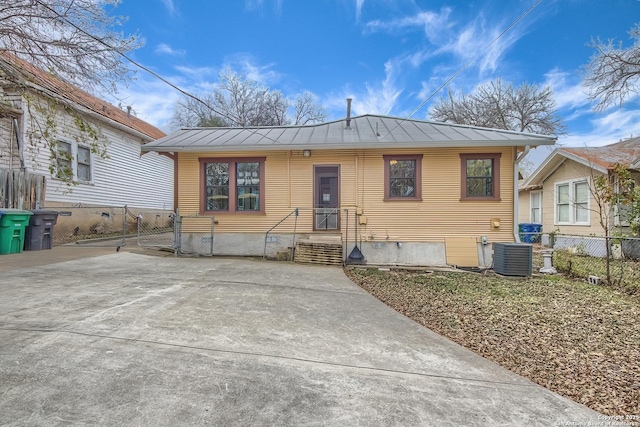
388, 55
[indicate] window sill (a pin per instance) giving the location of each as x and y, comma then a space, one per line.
402, 199
572, 224
480, 199
219, 213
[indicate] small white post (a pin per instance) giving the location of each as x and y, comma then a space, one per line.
547, 259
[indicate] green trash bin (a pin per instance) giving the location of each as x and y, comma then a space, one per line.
13, 223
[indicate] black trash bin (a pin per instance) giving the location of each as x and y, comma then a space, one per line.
39, 232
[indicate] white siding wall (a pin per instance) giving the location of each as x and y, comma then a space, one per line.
9, 155
124, 178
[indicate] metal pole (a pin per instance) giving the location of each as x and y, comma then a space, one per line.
293, 244
212, 225
177, 227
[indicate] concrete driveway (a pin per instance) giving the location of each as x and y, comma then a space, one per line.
132, 339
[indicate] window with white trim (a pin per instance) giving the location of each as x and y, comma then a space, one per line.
536, 207
73, 162
572, 202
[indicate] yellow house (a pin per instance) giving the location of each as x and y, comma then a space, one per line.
559, 193
398, 191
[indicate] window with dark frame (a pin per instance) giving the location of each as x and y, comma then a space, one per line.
480, 176
402, 174
232, 185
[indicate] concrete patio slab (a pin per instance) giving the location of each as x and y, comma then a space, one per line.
127, 338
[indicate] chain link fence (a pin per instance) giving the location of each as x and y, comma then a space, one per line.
611, 260
194, 235
109, 226
156, 229
92, 226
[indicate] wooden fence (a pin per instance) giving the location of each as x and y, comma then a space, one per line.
21, 190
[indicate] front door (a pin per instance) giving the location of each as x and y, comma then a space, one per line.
326, 197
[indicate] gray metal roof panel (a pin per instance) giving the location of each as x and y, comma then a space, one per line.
367, 131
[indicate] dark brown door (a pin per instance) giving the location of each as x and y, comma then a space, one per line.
326, 197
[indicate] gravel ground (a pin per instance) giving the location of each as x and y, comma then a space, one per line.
579, 340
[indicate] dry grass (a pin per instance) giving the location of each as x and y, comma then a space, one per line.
579, 340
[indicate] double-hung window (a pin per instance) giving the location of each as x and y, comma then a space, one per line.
480, 178
572, 202
536, 207
403, 177
232, 185
73, 162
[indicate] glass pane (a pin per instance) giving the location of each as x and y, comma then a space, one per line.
84, 172
535, 215
563, 213
248, 198
479, 187
217, 186
64, 147
479, 167
402, 187
479, 177
582, 192
582, 214
402, 168
563, 193
84, 155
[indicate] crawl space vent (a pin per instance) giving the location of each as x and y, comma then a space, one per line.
513, 259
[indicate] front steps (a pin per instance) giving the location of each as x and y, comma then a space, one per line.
320, 249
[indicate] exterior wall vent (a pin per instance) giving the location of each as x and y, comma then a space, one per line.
513, 259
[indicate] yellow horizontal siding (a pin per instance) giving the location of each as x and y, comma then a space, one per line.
569, 171
289, 185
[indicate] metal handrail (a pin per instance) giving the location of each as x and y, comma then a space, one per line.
326, 214
296, 212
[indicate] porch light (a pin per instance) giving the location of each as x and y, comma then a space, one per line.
306, 153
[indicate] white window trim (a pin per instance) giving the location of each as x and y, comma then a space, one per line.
572, 210
541, 206
74, 161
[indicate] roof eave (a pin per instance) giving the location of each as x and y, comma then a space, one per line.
365, 145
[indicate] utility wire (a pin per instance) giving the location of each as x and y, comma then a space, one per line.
464, 67
142, 67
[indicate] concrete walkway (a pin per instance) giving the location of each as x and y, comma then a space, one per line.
131, 339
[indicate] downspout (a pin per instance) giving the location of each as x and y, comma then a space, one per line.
518, 159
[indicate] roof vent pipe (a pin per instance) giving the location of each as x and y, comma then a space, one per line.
348, 112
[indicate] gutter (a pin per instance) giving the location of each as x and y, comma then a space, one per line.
518, 159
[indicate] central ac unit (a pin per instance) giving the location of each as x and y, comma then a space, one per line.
513, 259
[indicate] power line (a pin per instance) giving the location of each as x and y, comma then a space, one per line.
464, 67
142, 67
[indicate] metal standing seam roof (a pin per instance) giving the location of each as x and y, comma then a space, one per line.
367, 131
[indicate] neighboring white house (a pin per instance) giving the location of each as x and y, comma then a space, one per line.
50, 127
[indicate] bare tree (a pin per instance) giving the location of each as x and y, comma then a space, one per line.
241, 102
307, 110
190, 112
494, 105
74, 39
613, 73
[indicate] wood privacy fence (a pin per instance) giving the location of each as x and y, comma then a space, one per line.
21, 190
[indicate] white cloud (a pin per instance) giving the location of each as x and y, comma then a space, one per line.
359, 4
150, 100
253, 5
375, 98
165, 49
568, 90
171, 8
248, 66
